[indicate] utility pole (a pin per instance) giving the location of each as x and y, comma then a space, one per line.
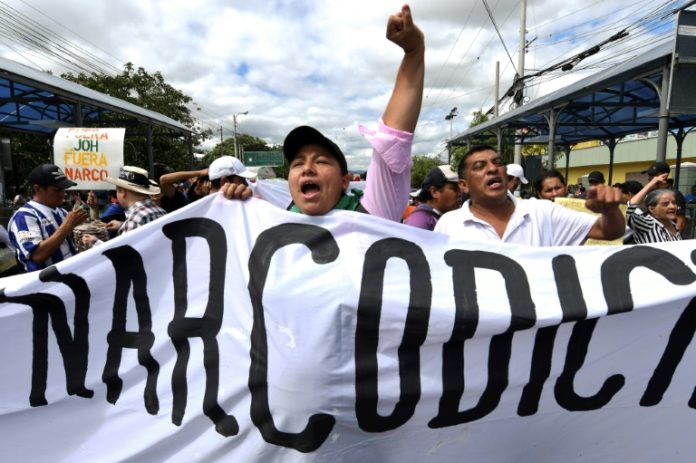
496, 110
234, 121
222, 147
519, 94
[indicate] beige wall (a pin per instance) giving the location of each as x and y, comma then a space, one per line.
630, 159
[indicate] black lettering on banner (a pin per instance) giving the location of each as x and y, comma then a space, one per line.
616, 272
615, 279
679, 339
74, 348
575, 357
574, 308
206, 327
523, 316
367, 334
129, 269
324, 250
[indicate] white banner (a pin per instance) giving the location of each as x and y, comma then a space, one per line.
234, 331
88, 155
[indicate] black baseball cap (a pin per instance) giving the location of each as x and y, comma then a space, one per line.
656, 169
595, 176
306, 135
50, 174
437, 177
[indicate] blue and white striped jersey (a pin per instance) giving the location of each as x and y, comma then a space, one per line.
33, 223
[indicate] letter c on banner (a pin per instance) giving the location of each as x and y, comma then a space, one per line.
324, 250
367, 334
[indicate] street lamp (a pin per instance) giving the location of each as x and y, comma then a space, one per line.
450, 117
234, 120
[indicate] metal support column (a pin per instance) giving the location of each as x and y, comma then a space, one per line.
566, 150
499, 141
77, 114
192, 159
551, 120
663, 125
150, 154
611, 144
679, 137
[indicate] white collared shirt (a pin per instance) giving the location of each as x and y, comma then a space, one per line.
533, 222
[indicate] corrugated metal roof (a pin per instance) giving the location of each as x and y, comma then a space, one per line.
35, 101
612, 103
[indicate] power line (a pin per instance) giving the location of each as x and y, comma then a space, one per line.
490, 15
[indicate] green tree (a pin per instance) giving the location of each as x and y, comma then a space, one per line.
479, 117
246, 143
149, 91
421, 166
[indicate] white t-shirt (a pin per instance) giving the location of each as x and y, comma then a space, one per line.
533, 222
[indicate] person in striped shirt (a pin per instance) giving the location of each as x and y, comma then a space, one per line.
656, 222
41, 229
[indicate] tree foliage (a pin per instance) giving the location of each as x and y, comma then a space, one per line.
421, 166
137, 86
246, 143
149, 91
479, 117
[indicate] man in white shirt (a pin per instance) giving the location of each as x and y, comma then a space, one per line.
492, 213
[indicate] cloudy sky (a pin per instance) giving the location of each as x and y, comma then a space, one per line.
327, 63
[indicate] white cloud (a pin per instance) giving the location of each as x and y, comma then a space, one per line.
327, 63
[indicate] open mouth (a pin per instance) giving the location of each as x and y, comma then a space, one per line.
309, 189
494, 182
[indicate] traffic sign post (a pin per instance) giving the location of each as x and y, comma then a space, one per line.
263, 158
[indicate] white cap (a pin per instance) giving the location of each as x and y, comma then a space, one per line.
226, 166
449, 174
515, 170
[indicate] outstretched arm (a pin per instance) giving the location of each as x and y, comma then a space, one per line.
605, 200
657, 180
404, 105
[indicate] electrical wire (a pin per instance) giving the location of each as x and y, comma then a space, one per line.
497, 30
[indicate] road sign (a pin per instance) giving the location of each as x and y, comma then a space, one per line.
263, 158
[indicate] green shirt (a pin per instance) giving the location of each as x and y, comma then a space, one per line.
346, 203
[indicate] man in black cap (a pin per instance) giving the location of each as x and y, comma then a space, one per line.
41, 229
595, 178
318, 172
439, 193
659, 168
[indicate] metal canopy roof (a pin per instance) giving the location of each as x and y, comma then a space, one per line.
37, 102
609, 104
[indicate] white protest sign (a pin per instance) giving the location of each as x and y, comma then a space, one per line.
88, 155
235, 331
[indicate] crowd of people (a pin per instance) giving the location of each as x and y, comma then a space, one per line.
480, 200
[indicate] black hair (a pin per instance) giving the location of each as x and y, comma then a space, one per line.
551, 173
631, 186
474, 149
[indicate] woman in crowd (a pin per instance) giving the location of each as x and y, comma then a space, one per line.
550, 185
656, 222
